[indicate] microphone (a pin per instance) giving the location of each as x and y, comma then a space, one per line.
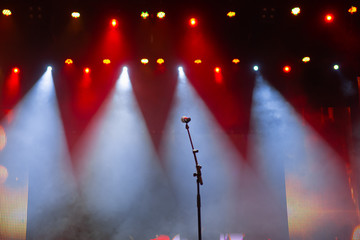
185, 119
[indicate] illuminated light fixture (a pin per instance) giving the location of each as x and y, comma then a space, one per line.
75, 14
161, 15
295, 11
49, 68
106, 61
197, 61
336, 67
231, 14
180, 69
352, 10
114, 22
256, 68
193, 22
144, 61
160, 61
286, 69
144, 15
69, 61
306, 59
6, 12
87, 70
217, 70
16, 70
329, 18
235, 60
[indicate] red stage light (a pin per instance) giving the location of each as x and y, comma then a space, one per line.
114, 22
16, 70
69, 61
87, 70
236, 60
6, 12
217, 70
295, 11
286, 69
197, 61
306, 59
329, 18
193, 22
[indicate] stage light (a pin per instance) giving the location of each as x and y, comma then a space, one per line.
6, 12
114, 22
329, 18
144, 15
197, 61
49, 68
87, 70
161, 15
236, 60
144, 61
69, 61
286, 69
160, 61
295, 11
231, 14
193, 22
352, 10
75, 14
106, 61
217, 70
306, 59
180, 69
256, 68
2, 138
336, 67
16, 70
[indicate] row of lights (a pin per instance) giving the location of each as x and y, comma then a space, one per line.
286, 69
231, 14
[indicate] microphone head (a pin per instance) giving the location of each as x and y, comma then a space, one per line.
185, 119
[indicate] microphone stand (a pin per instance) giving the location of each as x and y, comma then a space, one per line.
198, 181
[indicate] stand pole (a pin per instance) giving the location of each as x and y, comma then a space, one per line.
199, 182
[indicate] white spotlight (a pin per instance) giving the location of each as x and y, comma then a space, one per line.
336, 67
256, 68
180, 69
49, 68
125, 69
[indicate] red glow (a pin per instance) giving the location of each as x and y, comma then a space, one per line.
114, 22
16, 70
329, 18
217, 70
286, 69
87, 70
193, 22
